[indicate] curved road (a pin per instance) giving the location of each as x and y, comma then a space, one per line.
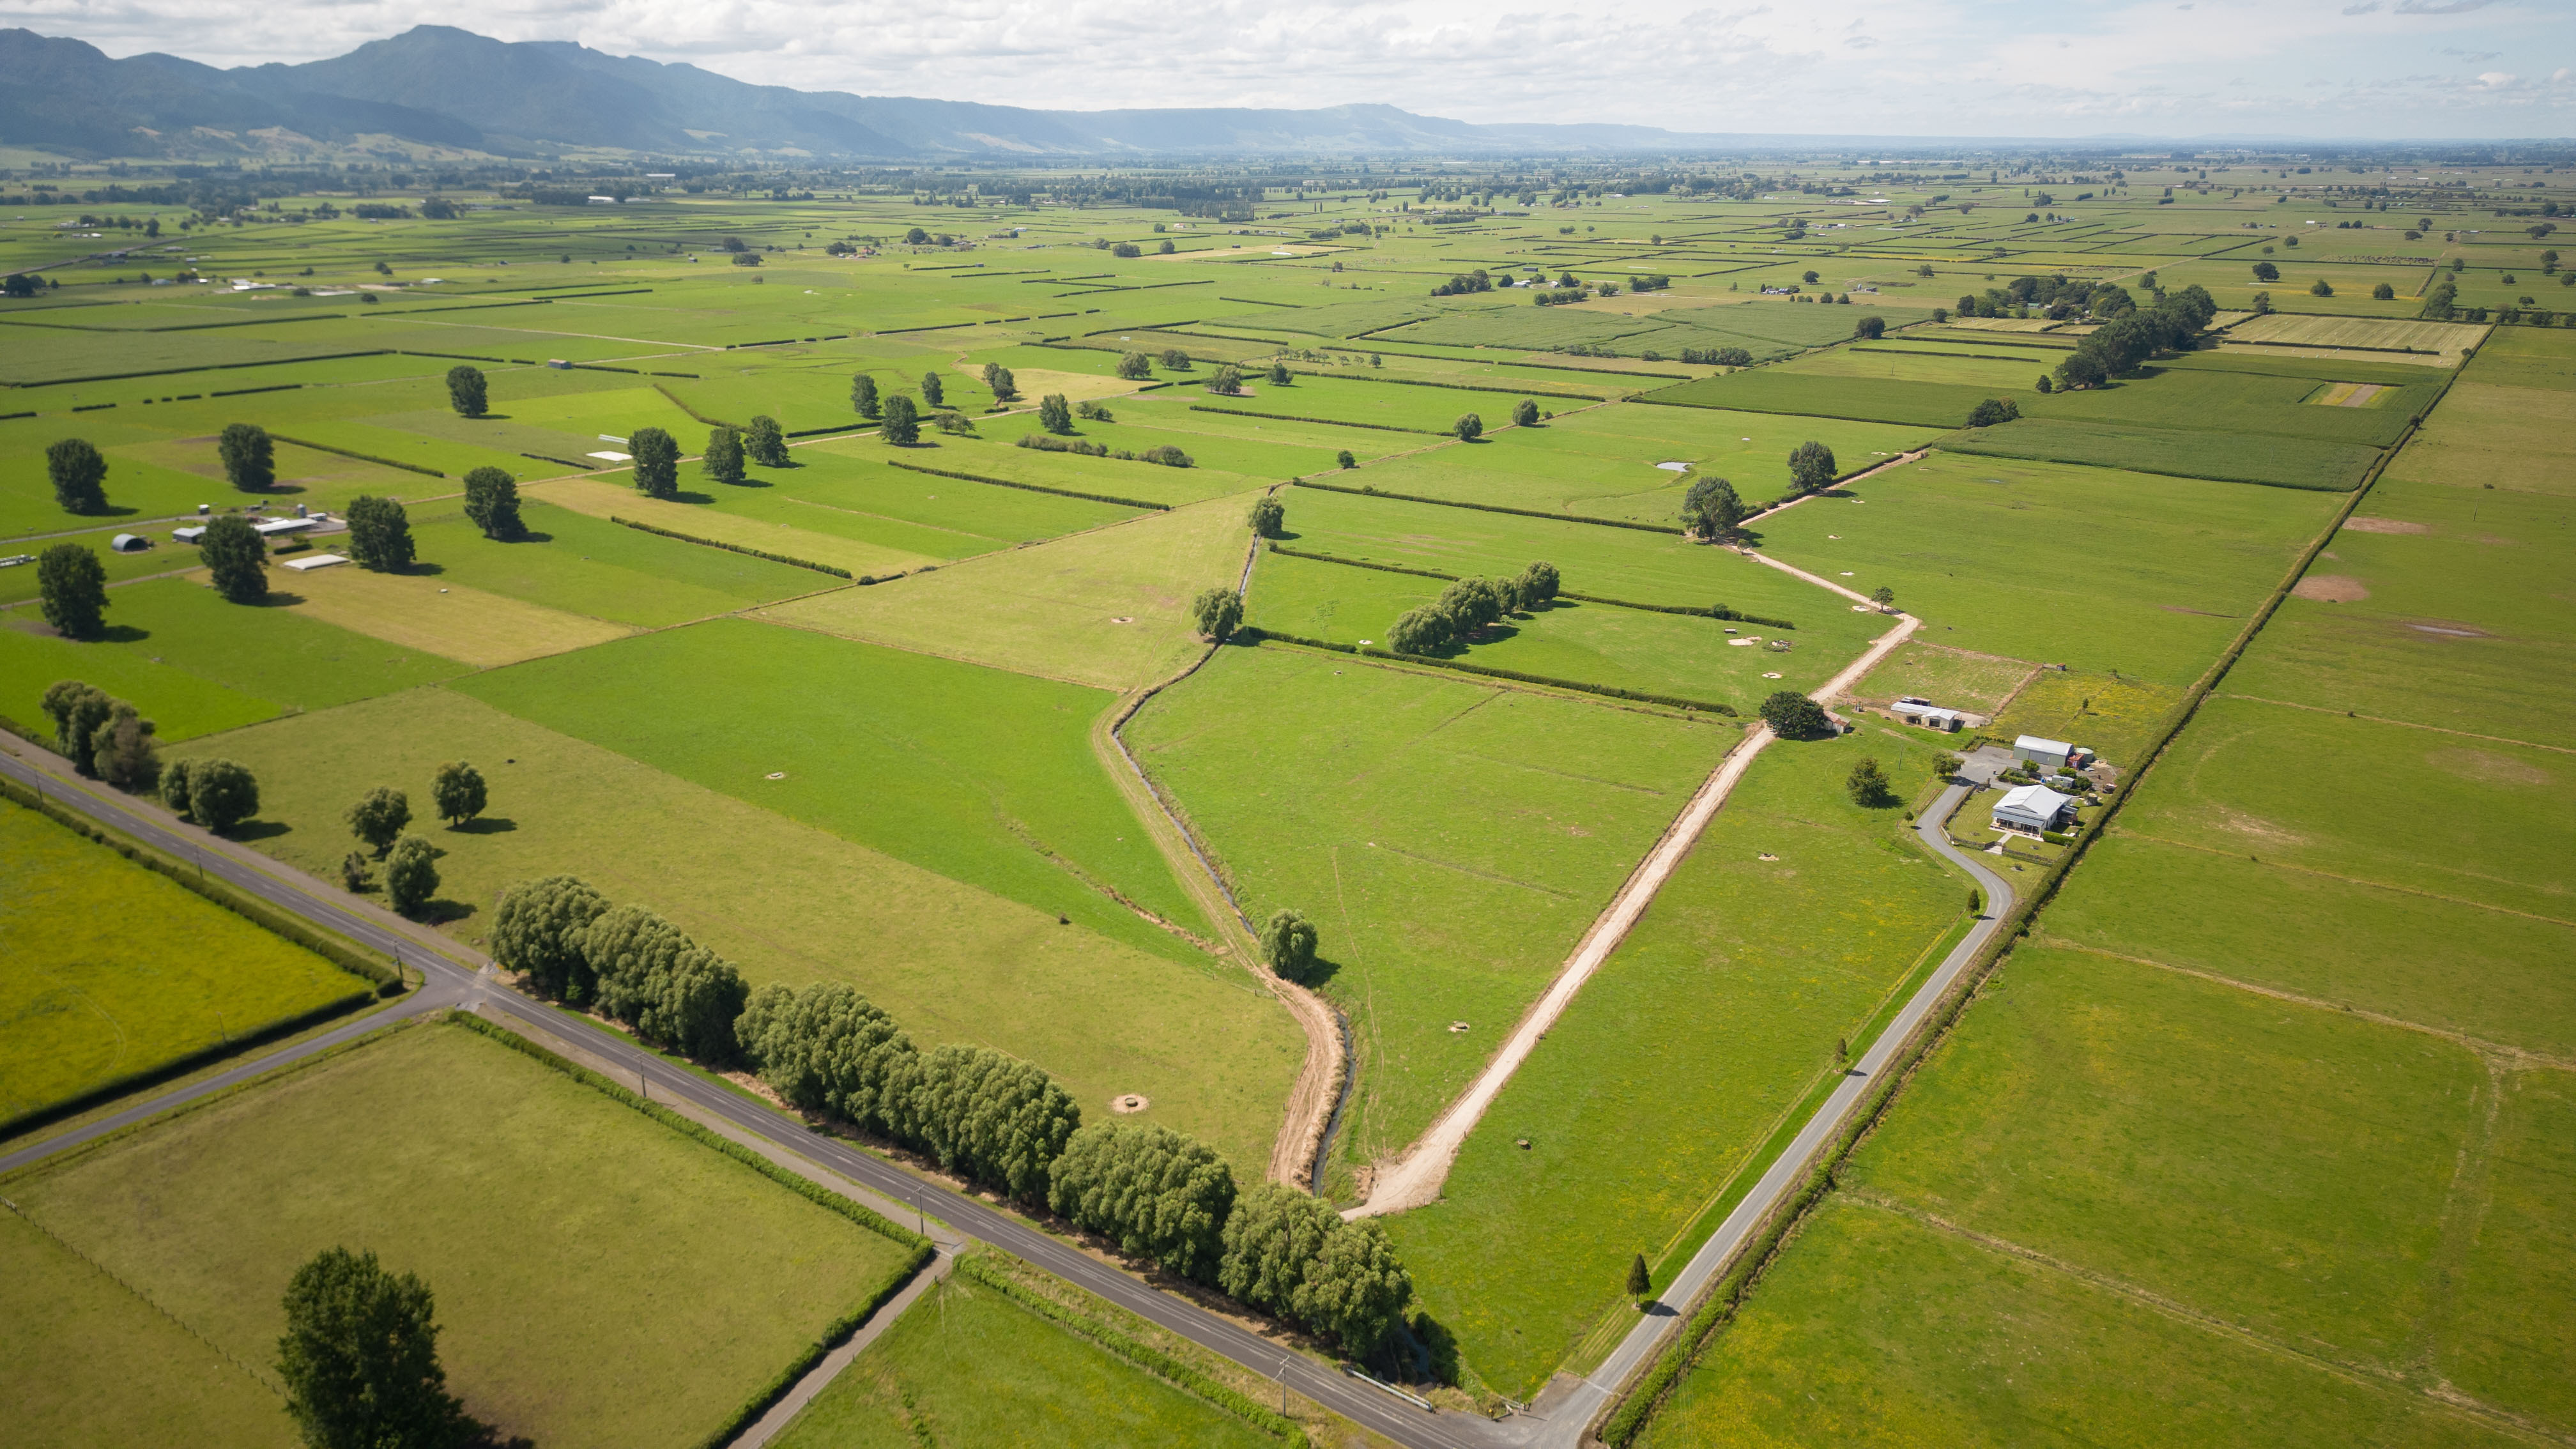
456, 976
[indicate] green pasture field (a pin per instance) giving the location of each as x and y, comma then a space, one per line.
1528, 328
2281, 462
1620, 563
19, 583
91, 1363
1338, 399
789, 902
1361, 795
1602, 462
2303, 1160
1902, 362
2460, 623
2099, 578
1977, 682
196, 664
115, 970
1711, 1022
2520, 1260
1865, 399
1336, 319
415, 1145
2526, 357
614, 499
2467, 819
2501, 977
2492, 435
967, 1366
1108, 608
1270, 449
995, 455
979, 774
2118, 717
1685, 656
1880, 1330
584, 565
2444, 341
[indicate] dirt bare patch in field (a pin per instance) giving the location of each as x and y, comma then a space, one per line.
2331, 589
2384, 525
2487, 766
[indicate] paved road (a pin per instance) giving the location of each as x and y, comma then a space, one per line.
454, 976
1570, 1413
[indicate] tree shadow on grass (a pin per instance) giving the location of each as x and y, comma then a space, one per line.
123, 634
692, 498
277, 599
1317, 972
486, 825
440, 911
527, 535
254, 830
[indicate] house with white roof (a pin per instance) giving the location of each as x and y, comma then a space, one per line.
2033, 810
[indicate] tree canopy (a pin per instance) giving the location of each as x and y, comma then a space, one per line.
1793, 716
934, 388
1268, 516
1288, 942
79, 474
722, 460
459, 792
653, 977
467, 392
73, 585
765, 443
1055, 414
1216, 613
360, 1359
1811, 466
1135, 366
379, 534
1710, 508
863, 395
236, 558
249, 458
657, 462
411, 874
1469, 427
217, 794
492, 503
902, 425
538, 930
1992, 411
379, 816
1156, 1193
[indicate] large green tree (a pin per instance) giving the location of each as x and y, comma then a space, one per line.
1288, 942
459, 792
236, 558
411, 874
1355, 1291
990, 1117
79, 473
1868, 784
765, 443
1537, 584
76, 709
1217, 612
1055, 414
998, 380
360, 1359
1525, 414
1176, 360
1811, 466
657, 462
538, 929
863, 395
902, 426
1156, 1193
249, 458
123, 752
722, 460
378, 817
1710, 508
1227, 379
467, 392
1794, 716
653, 977
73, 586
221, 793
379, 534
1135, 366
1469, 427
934, 389
492, 502
1268, 516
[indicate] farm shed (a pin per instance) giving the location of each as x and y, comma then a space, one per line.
2031, 749
1927, 714
129, 543
2032, 809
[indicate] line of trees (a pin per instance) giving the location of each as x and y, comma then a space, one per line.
631, 964
2118, 346
103, 737
1467, 606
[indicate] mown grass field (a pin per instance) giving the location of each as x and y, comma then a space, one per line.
2281, 462
1108, 608
580, 564
968, 1366
418, 1146
2058, 564
2468, 819
975, 773
793, 902
1710, 1022
1450, 841
1679, 655
114, 970
1880, 1330
195, 664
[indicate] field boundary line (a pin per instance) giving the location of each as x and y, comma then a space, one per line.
2520, 1058
2353, 879
141, 1297
1899, 461
2407, 723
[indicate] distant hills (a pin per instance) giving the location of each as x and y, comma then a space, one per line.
440, 86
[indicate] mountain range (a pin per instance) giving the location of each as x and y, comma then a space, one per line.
439, 86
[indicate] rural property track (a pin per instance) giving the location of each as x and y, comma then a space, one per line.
1415, 1180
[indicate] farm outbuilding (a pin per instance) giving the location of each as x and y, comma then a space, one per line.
2045, 753
2032, 809
129, 543
1928, 715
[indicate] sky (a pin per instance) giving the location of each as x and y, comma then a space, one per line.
2328, 69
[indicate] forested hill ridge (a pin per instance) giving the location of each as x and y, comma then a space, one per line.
441, 86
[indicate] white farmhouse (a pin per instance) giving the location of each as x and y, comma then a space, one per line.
2032, 809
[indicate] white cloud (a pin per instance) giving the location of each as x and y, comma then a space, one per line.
1940, 67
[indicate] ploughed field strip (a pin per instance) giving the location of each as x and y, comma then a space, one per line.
1024, 718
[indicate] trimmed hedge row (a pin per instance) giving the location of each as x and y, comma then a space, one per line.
802, 563
1456, 386
1493, 507
834, 1333
693, 412
1253, 634
1031, 487
1153, 1361
180, 1066
348, 958
1714, 611
361, 457
1328, 422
